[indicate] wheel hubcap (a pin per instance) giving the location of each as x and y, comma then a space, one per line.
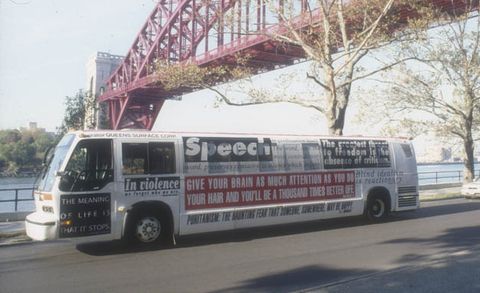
378, 208
148, 229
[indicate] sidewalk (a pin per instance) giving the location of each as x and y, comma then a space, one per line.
14, 232
439, 194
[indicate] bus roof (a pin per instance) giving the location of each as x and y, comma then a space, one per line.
138, 133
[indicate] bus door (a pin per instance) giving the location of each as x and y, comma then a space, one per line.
86, 187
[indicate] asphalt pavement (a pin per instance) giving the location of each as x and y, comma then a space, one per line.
433, 249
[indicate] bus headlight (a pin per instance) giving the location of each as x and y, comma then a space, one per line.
45, 196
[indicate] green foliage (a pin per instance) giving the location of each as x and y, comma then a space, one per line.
23, 149
42, 143
185, 77
75, 112
10, 136
103, 122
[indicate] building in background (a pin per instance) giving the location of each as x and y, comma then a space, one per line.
99, 68
33, 126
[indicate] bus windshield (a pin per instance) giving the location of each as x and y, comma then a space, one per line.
53, 163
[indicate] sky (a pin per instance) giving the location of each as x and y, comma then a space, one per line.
44, 48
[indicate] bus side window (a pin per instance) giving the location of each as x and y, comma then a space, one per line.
161, 157
311, 156
135, 160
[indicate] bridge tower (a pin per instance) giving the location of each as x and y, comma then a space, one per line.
99, 67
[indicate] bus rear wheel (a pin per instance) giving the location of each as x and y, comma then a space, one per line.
377, 208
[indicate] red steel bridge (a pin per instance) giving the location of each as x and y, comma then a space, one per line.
204, 32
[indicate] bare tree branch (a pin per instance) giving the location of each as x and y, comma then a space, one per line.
229, 102
315, 79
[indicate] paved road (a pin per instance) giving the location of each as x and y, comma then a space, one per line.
434, 249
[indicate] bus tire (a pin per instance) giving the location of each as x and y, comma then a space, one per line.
146, 228
377, 207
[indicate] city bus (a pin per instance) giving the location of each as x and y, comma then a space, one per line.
148, 187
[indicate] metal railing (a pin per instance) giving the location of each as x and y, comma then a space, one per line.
16, 199
439, 177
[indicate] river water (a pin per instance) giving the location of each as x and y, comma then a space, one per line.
428, 174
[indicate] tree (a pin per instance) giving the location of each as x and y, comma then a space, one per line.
23, 153
439, 89
42, 142
336, 39
10, 136
16, 155
23, 149
75, 112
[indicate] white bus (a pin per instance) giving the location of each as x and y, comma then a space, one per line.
148, 187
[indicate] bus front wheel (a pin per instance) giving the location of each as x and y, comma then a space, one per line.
145, 228
148, 229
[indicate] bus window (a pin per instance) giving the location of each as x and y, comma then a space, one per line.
135, 160
161, 157
90, 166
311, 156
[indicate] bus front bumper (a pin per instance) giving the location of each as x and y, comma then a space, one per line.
40, 226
